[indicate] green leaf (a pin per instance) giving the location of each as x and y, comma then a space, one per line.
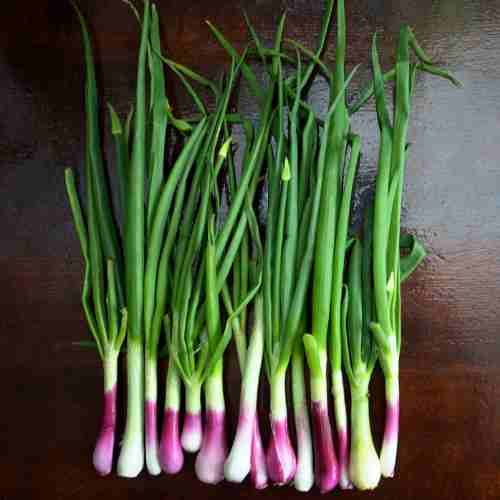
419, 52
286, 173
83, 237
122, 333
315, 61
246, 70
346, 354
105, 218
433, 70
89, 344
410, 262
116, 126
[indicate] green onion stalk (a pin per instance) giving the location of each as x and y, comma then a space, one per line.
304, 476
247, 454
253, 364
167, 198
185, 335
288, 263
211, 462
282, 328
170, 453
360, 356
213, 450
156, 216
387, 262
342, 225
328, 471
157, 266
278, 293
303, 138
102, 314
197, 341
302, 124
102, 294
161, 287
186, 295
280, 456
131, 459
212, 454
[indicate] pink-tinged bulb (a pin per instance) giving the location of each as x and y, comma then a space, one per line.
103, 452
258, 471
343, 441
150, 424
390, 443
326, 466
171, 454
280, 458
151, 431
192, 432
209, 465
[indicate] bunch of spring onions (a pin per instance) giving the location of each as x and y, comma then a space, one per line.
179, 261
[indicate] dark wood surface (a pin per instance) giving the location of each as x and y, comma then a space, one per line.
450, 364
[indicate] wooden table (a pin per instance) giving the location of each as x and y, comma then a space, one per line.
450, 366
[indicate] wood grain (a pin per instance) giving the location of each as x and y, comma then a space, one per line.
450, 369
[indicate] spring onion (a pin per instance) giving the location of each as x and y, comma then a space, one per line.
386, 226
238, 463
102, 295
108, 335
131, 459
247, 453
186, 257
156, 166
328, 471
283, 314
360, 357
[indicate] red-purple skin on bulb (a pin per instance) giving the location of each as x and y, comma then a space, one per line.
103, 451
171, 453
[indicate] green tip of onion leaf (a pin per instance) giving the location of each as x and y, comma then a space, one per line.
286, 173
223, 151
